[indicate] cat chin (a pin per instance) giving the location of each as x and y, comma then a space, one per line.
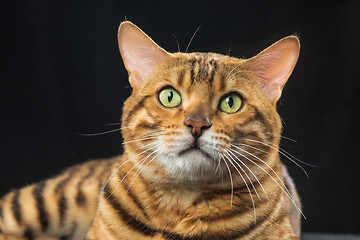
192, 165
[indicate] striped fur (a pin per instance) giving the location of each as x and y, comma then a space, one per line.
54, 208
231, 185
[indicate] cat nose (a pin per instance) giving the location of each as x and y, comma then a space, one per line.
197, 125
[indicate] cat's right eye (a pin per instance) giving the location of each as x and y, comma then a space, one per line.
169, 97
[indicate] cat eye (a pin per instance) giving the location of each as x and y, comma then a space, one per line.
169, 97
230, 103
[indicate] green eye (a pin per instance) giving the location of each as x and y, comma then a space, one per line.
231, 103
170, 98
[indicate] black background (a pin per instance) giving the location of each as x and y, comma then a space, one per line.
62, 74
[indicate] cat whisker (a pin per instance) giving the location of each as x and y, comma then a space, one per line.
149, 144
266, 164
232, 151
191, 39
283, 188
106, 132
100, 133
231, 160
241, 71
232, 75
227, 76
139, 140
236, 161
283, 137
228, 53
117, 123
150, 133
143, 159
117, 169
249, 146
218, 166
231, 180
261, 150
143, 167
219, 161
285, 154
177, 42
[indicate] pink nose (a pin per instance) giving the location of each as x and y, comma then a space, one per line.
197, 126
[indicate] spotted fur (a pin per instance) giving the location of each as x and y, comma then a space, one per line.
224, 182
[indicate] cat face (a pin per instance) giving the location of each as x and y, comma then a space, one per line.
197, 117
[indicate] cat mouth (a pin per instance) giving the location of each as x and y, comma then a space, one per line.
194, 149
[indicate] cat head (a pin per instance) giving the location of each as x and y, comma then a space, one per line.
199, 116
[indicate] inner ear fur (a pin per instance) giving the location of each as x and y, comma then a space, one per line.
139, 53
274, 65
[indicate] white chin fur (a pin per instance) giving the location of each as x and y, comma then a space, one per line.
192, 165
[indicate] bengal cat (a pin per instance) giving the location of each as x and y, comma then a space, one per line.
201, 160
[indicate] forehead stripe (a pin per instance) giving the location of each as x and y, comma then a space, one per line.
214, 68
203, 71
180, 79
192, 70
222, 80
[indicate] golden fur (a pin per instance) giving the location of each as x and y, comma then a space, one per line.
188, 172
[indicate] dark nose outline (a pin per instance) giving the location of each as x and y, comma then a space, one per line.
197, 125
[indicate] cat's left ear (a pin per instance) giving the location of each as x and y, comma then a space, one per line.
140, 54
275, 64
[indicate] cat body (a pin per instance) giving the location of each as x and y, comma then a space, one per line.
201, 159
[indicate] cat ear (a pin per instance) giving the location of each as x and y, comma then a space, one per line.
140, 54
275, 64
